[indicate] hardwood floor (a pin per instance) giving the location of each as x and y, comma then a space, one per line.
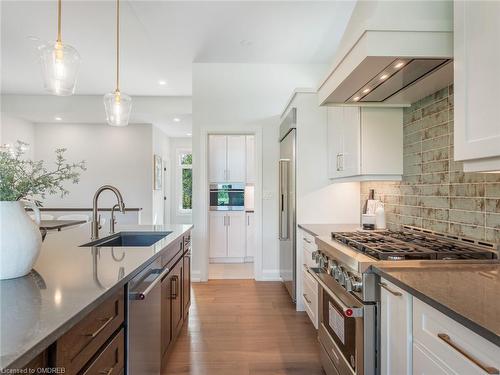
244, 327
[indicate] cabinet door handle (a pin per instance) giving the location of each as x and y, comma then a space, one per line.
341, 161
477, 362
307, 299
248, 220
228, 220
101, 328
338, 163
174, 290
308, 241
393, 292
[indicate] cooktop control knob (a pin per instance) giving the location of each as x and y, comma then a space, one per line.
353, 285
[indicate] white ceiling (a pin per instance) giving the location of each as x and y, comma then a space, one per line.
171, 114
161, 39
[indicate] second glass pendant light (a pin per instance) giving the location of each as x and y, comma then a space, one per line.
117, 104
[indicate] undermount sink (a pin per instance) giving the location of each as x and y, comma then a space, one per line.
128, 239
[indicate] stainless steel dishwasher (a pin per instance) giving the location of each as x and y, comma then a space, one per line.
144, 320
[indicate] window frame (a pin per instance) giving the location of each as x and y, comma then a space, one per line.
178, 181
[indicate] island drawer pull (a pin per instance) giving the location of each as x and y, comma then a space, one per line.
108, 371
477, 362
305, 297
386, 287
100, 329
175, 291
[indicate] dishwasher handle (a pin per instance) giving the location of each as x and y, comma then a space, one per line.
142, 295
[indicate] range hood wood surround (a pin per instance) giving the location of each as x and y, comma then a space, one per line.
374, 51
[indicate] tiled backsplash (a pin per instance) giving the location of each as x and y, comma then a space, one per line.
435, 193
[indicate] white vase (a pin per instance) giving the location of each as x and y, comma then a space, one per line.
20, 239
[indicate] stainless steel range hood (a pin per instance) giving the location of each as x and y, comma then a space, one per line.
392, 53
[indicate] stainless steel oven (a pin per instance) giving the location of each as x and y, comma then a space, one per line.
227, 197
347, 328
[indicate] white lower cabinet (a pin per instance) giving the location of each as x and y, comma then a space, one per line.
425, 364
227, 236
310, 297
396, 330
453, 347
250, 236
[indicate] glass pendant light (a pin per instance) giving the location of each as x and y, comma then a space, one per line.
60, 64
116, 103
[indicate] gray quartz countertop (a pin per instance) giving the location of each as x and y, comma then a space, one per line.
321, 230
468, 293
66, 283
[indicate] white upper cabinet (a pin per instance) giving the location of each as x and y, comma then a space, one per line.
226, 158
250, 148
476, 75
236, 158
365, 143
217, 153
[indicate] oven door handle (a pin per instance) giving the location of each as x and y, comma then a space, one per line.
349, 312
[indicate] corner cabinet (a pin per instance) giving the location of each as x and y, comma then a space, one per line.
476, 75
365, 143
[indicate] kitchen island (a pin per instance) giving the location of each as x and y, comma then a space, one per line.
69, 282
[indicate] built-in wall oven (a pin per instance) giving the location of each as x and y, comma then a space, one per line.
227, 197
347, 328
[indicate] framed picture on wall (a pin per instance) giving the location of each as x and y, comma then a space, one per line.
157, 169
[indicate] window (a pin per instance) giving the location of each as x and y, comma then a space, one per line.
185, 180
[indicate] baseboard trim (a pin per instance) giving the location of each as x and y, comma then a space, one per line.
195, 276
270, 275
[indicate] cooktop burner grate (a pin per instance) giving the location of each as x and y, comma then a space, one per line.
411, 245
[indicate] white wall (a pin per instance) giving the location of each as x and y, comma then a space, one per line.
161, 147
121, 157
243, 98
13, 129
177, 144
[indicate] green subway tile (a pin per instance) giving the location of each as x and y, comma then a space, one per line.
411, 220
436, 226
435, 107
470, 231
466, 217
435, 178
415, 126
434, 155
456, 166
435, 166
412, 159
409, 170
493, 220
492, 205
467, 190
409, 190
462, 177
470, 204
411, 211
491, 177
434, 119
410, 200
492, 235
412, 138
492, 190
435, 131
434, 143
410, 117
434, 202
450, 89
435, 190
435, 213
414, 179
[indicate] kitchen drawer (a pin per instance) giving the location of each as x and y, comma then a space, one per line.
75, 348
333, 351
457, 347
310, 298
309, 242
326, 362
111, 360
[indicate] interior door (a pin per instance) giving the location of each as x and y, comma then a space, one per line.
236, 234
217, 155
236, 158
217, 223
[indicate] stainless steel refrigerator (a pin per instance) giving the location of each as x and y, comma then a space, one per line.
287, 220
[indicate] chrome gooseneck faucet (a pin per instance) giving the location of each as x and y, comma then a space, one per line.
95, 217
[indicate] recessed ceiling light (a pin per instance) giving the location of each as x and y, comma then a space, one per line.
245, 43
399, 65
189, 134
356, 98
57, 118
176, 119
162, 82
367, 90
384, 76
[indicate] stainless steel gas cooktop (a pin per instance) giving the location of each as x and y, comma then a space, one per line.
414, 244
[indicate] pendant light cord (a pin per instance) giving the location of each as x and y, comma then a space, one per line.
117, 45
59, 21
